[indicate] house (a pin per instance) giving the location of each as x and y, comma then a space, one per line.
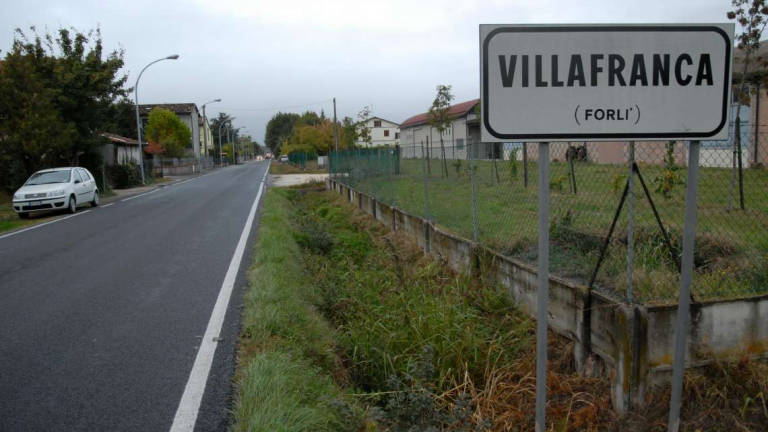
119, 149
206, 137
187, 113
383, 133
418, 138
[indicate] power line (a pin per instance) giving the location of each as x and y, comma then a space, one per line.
220, 108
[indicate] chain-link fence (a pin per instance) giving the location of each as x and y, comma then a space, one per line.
488, 192
300, 159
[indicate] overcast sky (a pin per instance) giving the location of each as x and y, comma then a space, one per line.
260, 57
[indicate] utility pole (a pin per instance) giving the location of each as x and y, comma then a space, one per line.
335, 133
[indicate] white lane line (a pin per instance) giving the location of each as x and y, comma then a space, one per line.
139, 195
185, 181
107, 205
42, 224
186, 413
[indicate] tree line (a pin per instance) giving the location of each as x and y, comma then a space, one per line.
309, 132
58, 93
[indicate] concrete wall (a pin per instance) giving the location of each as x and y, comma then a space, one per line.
631, 344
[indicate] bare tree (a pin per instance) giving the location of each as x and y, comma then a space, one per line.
439, 118
750, 16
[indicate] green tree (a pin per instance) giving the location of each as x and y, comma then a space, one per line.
279, 129
121, 119
166, 129
56, 96
439, 119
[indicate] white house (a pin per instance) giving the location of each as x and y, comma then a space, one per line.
383, 133
418, 138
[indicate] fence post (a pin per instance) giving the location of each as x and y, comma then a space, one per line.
525, 164
475, 233
426, 188
630, 221
686, 276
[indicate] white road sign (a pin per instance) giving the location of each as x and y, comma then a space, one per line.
605, 82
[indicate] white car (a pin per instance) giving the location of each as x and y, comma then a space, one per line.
284, 158
56, 188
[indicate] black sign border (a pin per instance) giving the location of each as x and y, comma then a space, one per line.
627, 28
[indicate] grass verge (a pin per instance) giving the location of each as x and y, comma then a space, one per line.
348, 326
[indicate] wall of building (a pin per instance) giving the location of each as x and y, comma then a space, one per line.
758, 137
413, 139
377, 133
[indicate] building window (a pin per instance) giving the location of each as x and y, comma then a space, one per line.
459, 143
386, 132
377, 123
397, 135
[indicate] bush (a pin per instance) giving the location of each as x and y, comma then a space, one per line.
124, 175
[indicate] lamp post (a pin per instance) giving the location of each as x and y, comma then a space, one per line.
221, 160
205, 121
138, 119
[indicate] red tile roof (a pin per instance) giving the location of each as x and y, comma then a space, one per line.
455, 111
119, 139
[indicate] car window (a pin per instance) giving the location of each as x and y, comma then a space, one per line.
77, 175
84, 175
48, 177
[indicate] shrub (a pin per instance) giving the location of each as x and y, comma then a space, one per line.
124, 175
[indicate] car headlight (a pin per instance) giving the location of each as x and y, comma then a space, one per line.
57, 193
17, 196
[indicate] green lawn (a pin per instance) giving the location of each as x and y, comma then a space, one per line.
9, 220
732, 247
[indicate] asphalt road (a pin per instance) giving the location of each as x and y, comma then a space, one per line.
101, 314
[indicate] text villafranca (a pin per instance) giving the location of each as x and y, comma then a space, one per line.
591, 70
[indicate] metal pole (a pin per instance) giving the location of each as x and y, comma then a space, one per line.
138, 118
335, 133
525, 164
542, 298
475, 230
229, 138
631, 221
684, 300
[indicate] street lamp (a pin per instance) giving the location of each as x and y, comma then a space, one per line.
221, 160
138, 119
205, 120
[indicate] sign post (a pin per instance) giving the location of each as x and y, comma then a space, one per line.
544, 83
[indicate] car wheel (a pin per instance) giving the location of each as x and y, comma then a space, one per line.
95, 202
24, 215
72, 205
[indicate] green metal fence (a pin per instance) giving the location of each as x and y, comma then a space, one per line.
488, 191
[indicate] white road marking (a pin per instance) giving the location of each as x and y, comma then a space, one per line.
139, 195
188, 180
107, 205
186, 413
42, 224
